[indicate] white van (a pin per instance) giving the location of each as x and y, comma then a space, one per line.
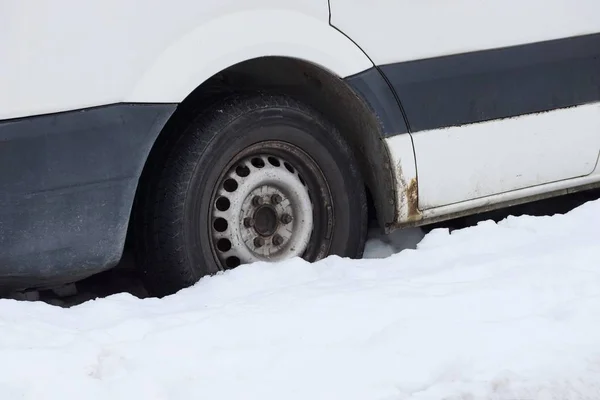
215, 133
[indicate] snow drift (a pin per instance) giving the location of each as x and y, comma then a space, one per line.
496, 311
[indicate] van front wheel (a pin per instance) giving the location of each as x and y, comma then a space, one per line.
257, 178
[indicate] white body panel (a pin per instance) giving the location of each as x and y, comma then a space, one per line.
401, 30
73, 54
478, 165
478, 160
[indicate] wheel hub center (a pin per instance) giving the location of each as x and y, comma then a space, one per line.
265, 220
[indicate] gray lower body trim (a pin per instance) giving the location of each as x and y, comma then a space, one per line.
67, 184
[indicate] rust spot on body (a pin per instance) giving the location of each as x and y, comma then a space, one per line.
412, 200
409, 198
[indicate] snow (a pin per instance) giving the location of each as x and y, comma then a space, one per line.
495, 311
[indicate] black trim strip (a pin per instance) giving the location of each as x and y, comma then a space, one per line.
499, 83
372, 87
481, 86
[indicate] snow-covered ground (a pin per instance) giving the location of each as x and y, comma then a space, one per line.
495, 311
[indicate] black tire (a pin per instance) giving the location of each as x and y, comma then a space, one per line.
174, 222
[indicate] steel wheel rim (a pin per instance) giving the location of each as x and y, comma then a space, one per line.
261, 208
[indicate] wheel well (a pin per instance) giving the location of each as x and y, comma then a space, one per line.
312, 85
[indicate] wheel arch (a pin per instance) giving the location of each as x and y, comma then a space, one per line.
315, 86
234, 37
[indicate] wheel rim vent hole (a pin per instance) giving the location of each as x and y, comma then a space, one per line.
274, 162
242, 171
223, 204
224, 245
301, 180
220, 225
232, 262
288, 167
257, 162
230, 185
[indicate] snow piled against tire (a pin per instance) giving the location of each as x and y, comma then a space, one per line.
495, 311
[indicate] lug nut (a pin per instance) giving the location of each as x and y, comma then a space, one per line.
257, 200
276, 199
277, 240
248, 222
259, 242
286, 218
